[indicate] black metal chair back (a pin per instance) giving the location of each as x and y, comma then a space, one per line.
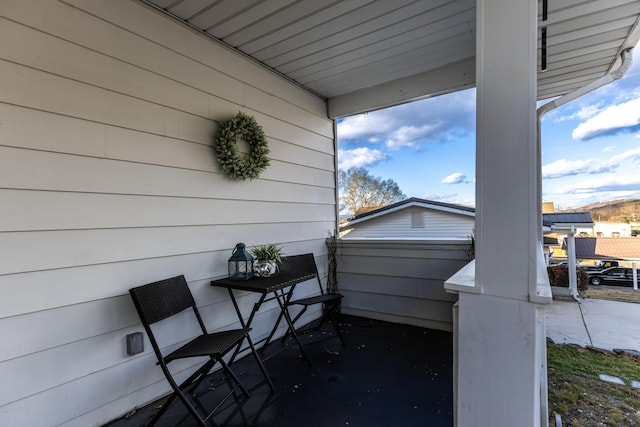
165, 298
305, 263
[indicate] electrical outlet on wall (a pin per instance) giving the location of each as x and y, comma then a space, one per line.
135, 343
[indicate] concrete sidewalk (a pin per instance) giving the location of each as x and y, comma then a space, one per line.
594, 323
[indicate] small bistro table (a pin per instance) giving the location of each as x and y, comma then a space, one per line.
278, 287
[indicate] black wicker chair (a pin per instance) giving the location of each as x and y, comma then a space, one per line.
330, 301
160, 300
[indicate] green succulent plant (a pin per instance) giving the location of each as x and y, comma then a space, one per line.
267, 252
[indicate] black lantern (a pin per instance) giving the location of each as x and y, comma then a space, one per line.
240, 264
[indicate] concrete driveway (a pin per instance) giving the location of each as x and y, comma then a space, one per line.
594, 323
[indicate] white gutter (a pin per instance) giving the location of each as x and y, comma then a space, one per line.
627, 60
571, 263
618, 73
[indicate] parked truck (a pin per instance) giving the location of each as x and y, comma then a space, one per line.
600, 265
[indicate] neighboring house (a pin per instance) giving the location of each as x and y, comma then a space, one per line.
561, 222
412, 218
626, 249
559, 225
611, 229
567, 224
416, 218
549, 245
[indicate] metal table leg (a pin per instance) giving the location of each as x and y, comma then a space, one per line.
256, 307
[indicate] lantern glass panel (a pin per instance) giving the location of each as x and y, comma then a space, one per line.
240, 263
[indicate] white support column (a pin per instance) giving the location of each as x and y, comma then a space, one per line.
501, 348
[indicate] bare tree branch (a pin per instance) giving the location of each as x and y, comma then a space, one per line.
359, 190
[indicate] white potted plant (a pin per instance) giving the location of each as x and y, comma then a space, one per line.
267, 257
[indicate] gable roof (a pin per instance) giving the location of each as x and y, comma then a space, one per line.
550, 221
607, 248
565, 221
408, 203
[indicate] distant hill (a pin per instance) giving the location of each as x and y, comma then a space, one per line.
612, 211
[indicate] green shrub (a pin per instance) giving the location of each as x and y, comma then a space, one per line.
559, 276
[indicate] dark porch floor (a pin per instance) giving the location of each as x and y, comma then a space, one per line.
387, 375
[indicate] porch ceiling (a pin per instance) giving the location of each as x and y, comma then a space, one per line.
366, 54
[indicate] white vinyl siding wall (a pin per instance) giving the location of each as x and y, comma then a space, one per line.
108, 111
400, 225
400, 281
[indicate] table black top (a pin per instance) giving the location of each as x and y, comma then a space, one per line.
279, 280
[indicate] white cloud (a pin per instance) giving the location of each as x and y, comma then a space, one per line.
359, 157
364, 126
440, 197
455, 178
413, 124
454, 198
408, 136
633, 154
565, 167
585, 112
614, 183
610, 148
610, 120
562, 167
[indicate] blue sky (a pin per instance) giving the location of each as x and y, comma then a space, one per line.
590, 146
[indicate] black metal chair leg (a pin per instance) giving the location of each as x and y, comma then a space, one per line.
293, 331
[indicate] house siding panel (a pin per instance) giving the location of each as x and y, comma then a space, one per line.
400, 281
108, 180
398, 225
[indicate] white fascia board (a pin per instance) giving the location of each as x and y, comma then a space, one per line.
450, 78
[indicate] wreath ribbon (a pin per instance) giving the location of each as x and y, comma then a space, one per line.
238, 167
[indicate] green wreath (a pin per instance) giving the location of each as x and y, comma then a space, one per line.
245, 127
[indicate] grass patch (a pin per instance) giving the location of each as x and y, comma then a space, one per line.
611, 293
578, 394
